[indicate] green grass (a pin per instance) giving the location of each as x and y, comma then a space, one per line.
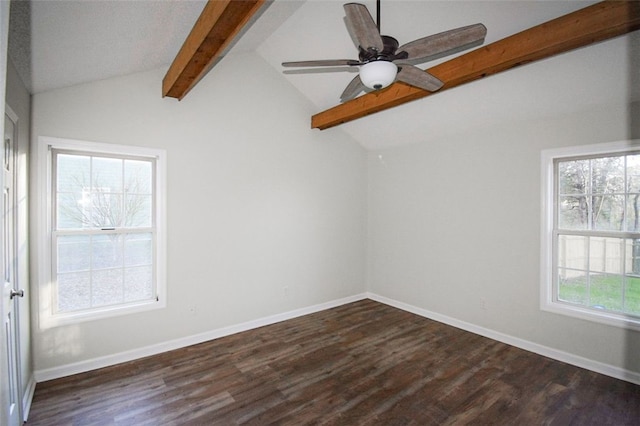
605, 291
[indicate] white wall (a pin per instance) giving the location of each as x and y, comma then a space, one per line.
454, 221
257, 201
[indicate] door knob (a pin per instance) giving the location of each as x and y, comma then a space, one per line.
14, 293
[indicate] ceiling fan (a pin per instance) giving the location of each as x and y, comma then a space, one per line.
382, 60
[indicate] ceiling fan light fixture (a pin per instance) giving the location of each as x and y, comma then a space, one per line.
377, 75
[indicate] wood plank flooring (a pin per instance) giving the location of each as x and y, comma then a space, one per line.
363, 363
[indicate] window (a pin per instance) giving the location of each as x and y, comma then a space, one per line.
591, 233
103, 245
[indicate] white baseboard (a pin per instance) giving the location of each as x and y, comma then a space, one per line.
578, 361
27, 398
109, 360
106, 361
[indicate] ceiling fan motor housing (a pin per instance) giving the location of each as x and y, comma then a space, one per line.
388, 52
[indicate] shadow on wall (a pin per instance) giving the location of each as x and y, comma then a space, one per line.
632, 344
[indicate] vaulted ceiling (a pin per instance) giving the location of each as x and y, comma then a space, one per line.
61, 43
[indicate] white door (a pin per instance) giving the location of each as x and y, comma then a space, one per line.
10, 294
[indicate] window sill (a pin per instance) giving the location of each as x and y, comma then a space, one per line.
58, 320
604, 317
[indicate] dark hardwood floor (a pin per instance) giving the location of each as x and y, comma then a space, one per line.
360, 364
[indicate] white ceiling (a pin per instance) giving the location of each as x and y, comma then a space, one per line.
75, 42
62, 43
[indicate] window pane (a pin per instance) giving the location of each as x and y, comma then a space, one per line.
632, 296
72, 173
138, 211
107, 287
633, 173
138, 176
138, 283
107, 174
607, 175
633, 212
106, 210
572, 252
597, 254
605, 292
572, 213
138, 249
605, 255
614, 262
74, 291
632, 261
573, 177
73, 210
73, 253
572, 287
106, 251
608, 212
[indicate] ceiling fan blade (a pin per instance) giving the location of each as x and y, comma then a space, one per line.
445, 43
322, 63
353, 89
416, 77
362, 28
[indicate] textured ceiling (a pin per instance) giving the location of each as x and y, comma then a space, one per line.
56, 43
71, 42
62, 43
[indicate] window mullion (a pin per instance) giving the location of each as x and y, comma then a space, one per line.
604, 234
589, 194
626, 196
588, 268
91, 191
91, 268
623, 268
625, 221
103, 231
122, 267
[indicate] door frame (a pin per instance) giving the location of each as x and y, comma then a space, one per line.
14, 358
16, 279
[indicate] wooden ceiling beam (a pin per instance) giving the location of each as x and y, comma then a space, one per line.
219, 23
592, 24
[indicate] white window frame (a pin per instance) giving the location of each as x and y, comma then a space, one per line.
44, 230
548, 301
